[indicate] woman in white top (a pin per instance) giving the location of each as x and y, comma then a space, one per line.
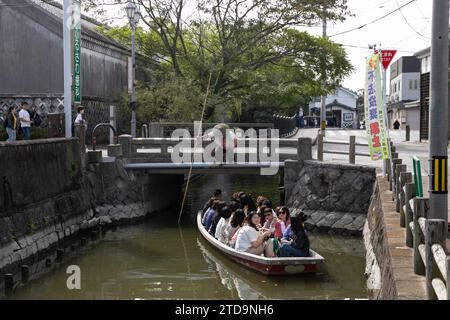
232, 229
225, 214
251, 240
79, 120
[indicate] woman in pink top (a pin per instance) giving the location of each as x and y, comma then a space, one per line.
283, 222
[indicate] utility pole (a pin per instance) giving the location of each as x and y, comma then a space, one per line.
438, 134
323, 109
67, 54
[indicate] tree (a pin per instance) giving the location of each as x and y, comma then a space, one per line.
248, 52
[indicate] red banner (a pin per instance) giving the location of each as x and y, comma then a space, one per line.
386, 57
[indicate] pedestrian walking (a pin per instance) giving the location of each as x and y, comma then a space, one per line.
11, 124
25, 121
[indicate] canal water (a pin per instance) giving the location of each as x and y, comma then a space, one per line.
159, 260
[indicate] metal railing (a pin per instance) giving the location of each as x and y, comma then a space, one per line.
352, 144
287, 126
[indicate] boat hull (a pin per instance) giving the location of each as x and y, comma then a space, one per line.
267, 266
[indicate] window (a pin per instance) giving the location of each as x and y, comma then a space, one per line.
416, 84
411, 84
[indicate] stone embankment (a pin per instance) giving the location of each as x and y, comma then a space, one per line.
47, 198
335, 197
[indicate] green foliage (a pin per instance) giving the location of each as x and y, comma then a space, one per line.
248, 54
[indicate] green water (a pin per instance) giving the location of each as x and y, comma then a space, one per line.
158, 260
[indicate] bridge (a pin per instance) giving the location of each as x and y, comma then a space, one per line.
156, 155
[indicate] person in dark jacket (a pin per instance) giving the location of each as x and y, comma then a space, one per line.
298, 246
217, 195
11, 124
216, 218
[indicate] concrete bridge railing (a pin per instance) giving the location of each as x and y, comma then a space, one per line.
165, 129
426, 236
253, 148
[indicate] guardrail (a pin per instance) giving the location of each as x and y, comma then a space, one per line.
426, 236
351, 148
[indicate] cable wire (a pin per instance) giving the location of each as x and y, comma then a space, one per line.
374, 21
407, 22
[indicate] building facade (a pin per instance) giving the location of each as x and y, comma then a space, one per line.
404, 100
340, 106
31, 64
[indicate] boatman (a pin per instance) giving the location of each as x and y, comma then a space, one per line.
225, 141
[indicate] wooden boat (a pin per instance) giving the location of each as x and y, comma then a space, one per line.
264, 265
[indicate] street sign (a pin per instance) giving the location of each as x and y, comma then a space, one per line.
386, 57
77, 53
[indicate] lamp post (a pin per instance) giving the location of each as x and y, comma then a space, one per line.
133, 15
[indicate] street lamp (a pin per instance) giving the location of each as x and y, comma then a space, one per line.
133, 15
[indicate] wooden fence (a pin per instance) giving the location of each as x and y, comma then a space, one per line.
426, 236
352, 144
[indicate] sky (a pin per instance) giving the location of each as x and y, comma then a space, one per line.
407, 30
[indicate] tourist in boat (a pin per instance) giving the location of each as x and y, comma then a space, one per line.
298, 246
210, 213
259, 203
252, 240
247, 203
236, 223
216, 217
217, 195
270, 221
225, 214
283, 222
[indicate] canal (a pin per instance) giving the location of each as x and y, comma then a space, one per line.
159, 260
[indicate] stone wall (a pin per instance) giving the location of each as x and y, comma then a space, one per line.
335, 197
379, 271
43, 198
47, 198
34, 171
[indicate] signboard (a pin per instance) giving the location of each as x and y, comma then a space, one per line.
348, 117
386, 57
374, 110
77, 53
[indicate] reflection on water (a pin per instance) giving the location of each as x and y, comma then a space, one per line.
158, 260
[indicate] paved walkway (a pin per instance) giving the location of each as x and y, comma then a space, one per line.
409, 285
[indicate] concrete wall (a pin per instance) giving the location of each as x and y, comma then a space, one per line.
43, 198
379, 271
37, 170
47, 198
335, 197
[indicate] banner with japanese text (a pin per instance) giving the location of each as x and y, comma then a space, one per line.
77, 52
374, 110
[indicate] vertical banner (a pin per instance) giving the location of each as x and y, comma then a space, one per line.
374, 110
77, 52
